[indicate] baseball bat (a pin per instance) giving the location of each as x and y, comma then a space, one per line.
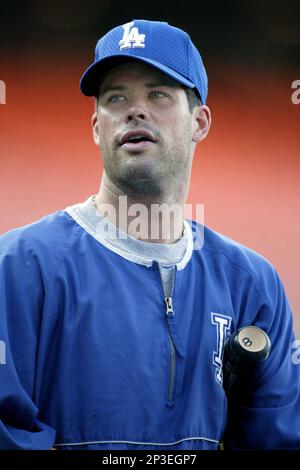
246, 347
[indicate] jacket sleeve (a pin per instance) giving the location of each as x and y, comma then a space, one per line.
21, 303
265, 411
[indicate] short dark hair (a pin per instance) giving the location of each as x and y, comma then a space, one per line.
192, 97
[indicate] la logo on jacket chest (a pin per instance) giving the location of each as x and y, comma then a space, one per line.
222, 324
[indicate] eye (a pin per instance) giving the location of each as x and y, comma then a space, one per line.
158, 94
116, 98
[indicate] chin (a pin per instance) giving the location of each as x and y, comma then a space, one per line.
141, 181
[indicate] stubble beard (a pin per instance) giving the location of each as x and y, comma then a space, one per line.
171, 169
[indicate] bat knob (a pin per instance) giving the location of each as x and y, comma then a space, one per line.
248, 344
245, 347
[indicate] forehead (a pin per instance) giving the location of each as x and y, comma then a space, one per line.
132, 71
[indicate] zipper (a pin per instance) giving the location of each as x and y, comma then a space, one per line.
172, 368
170, 314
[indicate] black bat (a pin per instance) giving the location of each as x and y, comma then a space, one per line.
243, 349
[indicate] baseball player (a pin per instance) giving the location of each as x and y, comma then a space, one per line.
115, 340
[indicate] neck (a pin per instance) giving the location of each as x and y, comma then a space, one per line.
155, 219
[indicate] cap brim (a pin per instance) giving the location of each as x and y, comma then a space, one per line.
92, 77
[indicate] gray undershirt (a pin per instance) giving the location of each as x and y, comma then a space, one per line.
166, 255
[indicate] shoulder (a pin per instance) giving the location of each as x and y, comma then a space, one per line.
235, 253
238, 261
46, 240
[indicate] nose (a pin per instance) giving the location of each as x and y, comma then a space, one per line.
136, 113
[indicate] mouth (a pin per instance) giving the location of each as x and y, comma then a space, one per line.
137, 140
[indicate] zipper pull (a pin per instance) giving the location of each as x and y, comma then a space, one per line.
169, 304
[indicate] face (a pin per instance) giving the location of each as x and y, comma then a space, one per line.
144, 128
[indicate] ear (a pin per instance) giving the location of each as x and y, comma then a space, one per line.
202, 118
95, 127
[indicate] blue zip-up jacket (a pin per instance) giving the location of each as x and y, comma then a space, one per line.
91, 360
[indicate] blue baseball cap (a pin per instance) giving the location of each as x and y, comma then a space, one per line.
156, 43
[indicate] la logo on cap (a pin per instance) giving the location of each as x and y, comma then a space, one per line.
131, 37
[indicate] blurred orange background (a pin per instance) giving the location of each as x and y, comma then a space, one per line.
246, 173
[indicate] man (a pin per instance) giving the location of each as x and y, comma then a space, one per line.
114, 331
